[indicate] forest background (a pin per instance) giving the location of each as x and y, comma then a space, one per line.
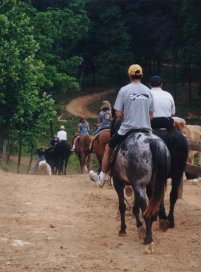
54, 50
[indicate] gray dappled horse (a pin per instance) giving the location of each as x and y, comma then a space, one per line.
142, 159
178, 148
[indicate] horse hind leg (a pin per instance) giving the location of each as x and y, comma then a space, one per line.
65, 165
141, 203
176, 180
136, 213
122, 207
87, 162
148, 220
163, 219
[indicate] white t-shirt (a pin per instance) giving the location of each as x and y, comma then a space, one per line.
164, 103
62, 135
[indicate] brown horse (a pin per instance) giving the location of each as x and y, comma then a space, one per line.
81, 150
99, 144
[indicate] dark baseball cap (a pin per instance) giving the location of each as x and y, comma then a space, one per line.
155, 80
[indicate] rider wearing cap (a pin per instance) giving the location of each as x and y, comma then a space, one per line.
164, 105
134, 105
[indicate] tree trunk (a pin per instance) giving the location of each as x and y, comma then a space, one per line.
30, 160
189, 83
5, 146
19, 152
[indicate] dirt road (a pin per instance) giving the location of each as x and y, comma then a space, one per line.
78, 106
66, 223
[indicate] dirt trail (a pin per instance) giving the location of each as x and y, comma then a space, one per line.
50, 224
78, 106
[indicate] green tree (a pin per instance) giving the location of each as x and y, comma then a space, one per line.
58, 29
192, 39
107, 48
22, 77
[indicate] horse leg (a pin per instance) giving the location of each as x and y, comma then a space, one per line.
65, 165
136, 213
140, 202
87, 162
176, 180
141, 196
81, 160
163, 219
148, 238
149, 192
163, 222
60, 166
119, 187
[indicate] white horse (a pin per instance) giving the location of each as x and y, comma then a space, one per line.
44, 168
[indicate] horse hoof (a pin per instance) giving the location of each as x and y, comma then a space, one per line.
141, 232
149, 249
163, 224
171, 225
128, 191
122, 233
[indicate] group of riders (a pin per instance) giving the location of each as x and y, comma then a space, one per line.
137, 106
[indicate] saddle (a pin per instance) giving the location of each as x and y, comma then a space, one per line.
162, 123
101, 130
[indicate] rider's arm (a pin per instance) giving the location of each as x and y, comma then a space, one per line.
151, 115
119, 114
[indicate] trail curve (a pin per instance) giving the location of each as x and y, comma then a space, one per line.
78, 106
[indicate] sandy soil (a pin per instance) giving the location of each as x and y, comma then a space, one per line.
78, 106
66, 223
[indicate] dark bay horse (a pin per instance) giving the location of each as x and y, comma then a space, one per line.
142, 159
81, 149
58, 157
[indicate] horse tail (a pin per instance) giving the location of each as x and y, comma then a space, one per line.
161, 164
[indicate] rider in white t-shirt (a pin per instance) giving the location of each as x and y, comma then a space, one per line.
164, 105
62, 134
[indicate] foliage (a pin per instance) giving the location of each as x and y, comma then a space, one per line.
192, 30
23, 107
58, 29
107, 48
